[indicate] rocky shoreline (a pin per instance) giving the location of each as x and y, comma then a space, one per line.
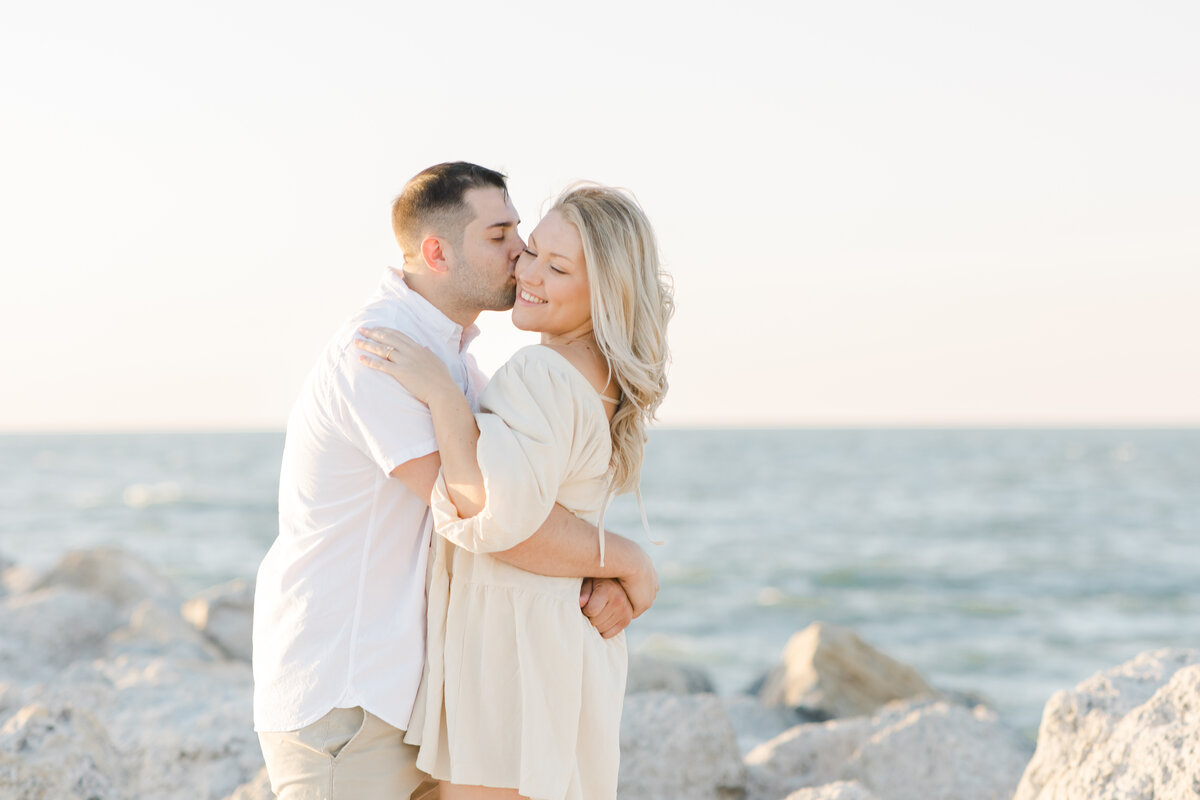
112, 686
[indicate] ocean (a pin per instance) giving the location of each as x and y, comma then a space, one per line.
1003, 563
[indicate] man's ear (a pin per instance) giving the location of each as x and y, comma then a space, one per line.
434, 255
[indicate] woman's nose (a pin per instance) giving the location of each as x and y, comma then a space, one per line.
525, 269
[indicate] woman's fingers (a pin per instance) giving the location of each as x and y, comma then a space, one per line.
390, 345
388, 337
378, 363
372, 347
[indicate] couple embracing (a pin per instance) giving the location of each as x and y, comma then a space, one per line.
442, 613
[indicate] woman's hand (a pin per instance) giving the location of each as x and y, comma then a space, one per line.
420, 372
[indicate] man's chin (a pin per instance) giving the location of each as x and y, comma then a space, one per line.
505, 302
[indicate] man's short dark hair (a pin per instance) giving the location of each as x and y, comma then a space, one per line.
434, 200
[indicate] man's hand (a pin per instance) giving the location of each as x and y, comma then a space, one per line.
606, 605
641, 585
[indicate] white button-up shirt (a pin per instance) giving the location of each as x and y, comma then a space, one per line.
339, 607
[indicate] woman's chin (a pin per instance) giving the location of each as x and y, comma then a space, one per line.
523, 324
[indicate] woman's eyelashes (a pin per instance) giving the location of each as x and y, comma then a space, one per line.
553, 268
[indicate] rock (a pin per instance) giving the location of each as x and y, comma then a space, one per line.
58, 751
942, 752
122, 578
184, 728
16, 580
153, 631
923, 749
107, 692
224, 614
839, 790
831, 670
257, 788
6, 570
808, 755
650, 674
44, 631
1131, 732
754, 723
675, 746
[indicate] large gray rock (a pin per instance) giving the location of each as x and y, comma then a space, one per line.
754, 723
257, 788
808, 755
105, 695
829, 670
155, 631
44, 631
224, 614
840, 790
650, 674
58, 752
122, 578
678, 746
941, 752
913, 749
149, 727
6, 570
1131, 732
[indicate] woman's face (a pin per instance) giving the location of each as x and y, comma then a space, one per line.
552, 284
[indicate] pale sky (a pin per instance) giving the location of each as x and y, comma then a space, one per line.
876, 213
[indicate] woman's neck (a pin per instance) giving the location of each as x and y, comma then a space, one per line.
585, 336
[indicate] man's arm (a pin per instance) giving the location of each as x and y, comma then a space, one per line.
564, 546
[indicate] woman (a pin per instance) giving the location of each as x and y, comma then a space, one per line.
521, 696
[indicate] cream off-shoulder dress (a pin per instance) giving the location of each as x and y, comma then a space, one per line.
519, 689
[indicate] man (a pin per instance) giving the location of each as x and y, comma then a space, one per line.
339, 616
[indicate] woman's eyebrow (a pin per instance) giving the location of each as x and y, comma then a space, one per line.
559, 256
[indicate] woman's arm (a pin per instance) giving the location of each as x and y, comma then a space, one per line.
457, 435
426, 378
563, 547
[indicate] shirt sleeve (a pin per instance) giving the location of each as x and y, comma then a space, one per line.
379, 416
529, 424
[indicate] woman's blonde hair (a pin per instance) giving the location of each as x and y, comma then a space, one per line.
631, 305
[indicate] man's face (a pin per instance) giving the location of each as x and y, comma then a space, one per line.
482, 272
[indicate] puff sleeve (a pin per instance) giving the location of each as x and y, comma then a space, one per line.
535, 430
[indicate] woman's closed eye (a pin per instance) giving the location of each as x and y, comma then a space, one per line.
553, 268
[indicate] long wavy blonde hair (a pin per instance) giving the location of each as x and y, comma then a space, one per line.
632, 301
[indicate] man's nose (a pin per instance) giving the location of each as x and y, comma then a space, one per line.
518, 246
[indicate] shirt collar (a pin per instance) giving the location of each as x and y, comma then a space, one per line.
443, 327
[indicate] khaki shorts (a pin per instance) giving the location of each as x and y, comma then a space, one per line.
348, 754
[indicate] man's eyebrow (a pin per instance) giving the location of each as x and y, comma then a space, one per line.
504, 224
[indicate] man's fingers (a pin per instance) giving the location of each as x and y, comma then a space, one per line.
585, 592
608, 608
596, 602
612, 622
